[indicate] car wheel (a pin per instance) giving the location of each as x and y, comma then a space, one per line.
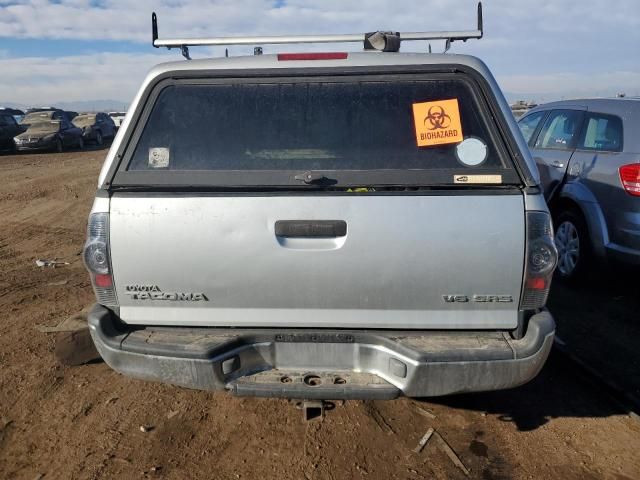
99, 139
58, 147
81, 143
572, 242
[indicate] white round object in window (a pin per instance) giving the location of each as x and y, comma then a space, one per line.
471, 152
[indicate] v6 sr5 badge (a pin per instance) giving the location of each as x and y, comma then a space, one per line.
478, 298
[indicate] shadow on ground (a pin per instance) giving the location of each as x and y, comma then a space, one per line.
560, 390
599, 321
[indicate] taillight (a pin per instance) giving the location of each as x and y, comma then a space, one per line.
97, 261
541, 260
630, 178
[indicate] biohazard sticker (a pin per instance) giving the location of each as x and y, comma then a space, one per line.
159, 157
437, 123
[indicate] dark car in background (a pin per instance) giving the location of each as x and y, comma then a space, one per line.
9, 128
50, 134
16, 113
588, 155
96, 127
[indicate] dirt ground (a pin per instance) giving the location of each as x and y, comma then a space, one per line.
84, 422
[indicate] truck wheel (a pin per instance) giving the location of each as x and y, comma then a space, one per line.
574, 248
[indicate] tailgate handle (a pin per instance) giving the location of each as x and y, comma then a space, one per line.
311, 228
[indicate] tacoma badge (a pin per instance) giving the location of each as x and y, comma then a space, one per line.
153, 292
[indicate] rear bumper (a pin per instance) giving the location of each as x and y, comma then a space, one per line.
347, 364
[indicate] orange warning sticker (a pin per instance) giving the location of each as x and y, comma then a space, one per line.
437, 122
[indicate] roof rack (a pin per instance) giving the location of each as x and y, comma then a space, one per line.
382, 41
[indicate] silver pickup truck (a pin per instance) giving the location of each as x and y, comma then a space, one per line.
322, 226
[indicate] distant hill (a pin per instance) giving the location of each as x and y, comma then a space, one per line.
80, 106
94, 106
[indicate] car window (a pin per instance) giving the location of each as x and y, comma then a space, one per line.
38, 117
318, 125
602, 132
559, 130
84, 120
529, 124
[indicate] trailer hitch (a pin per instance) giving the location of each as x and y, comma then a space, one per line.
314, 409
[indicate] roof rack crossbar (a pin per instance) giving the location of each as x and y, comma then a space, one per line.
184, 43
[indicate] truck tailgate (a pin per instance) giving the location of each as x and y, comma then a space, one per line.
432, 261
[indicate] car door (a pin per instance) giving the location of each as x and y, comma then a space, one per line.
5, 130
99, 124
112, 126
554, 145
595, 164
66, 133
105, 125
530, 123
102, 125
15, 128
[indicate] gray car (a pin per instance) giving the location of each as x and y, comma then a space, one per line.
96, 127
588, 154
322, 226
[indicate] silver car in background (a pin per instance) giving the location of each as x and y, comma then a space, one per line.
96, 127
118, 118
588, 154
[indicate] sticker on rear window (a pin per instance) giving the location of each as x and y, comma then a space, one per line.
159, 157
477, 179
471, 152
437, 123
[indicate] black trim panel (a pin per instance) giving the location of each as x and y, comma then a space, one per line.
311, 228
279, 178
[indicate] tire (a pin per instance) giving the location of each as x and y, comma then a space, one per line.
58, 147
99, 139
574, 246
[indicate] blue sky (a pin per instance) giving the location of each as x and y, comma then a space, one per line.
74, 50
